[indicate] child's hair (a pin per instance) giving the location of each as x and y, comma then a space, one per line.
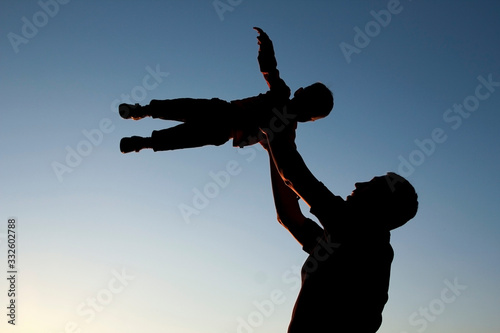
324, 96
317, 99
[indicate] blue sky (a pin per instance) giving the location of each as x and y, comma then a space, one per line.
103, 244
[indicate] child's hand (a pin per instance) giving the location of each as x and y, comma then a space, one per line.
266, 58
262, 37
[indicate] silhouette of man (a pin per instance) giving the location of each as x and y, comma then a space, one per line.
215, 121
345, 279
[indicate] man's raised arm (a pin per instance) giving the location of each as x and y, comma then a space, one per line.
291, 166
289, 214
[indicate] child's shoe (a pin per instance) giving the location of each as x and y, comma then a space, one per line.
131, 111
134, 143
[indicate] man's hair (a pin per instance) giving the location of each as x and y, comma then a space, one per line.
321, 98
403, 200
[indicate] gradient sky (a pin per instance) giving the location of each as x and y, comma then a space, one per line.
102, 243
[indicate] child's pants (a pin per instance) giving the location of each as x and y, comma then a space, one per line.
205, 122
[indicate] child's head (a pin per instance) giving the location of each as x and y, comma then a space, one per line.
312, 102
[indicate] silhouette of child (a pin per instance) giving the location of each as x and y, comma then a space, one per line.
215, 121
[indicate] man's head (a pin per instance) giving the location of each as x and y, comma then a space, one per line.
312, 102
390, 198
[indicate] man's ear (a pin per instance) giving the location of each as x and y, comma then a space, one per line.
392, 179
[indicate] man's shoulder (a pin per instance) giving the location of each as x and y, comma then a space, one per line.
326, 201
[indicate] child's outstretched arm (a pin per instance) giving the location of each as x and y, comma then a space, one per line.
266, 57
267, 60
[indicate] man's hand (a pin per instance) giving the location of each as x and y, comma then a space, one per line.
265, 143
285, 135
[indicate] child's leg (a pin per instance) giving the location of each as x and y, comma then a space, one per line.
189, 109
189, 135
